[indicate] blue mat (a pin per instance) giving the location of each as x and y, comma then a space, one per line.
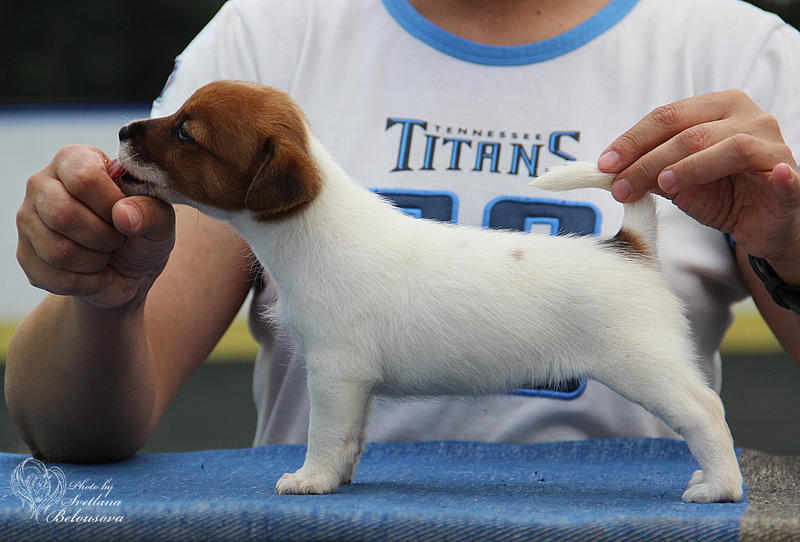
614, 489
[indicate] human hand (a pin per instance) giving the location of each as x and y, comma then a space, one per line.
80, 236
723, 161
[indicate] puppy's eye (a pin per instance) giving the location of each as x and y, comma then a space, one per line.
183, 133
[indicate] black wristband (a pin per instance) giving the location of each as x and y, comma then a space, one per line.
783, 294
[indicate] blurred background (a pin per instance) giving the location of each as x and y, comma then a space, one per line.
74, 72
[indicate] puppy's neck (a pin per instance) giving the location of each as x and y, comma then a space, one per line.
319, 234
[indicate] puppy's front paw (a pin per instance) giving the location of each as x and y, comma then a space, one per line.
701, 490
300, 483
697, 478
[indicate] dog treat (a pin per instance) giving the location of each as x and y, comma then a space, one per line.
115, 169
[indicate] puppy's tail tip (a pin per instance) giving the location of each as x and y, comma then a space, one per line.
574, 175
638, 232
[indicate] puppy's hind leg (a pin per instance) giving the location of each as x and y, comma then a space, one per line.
675, 392
710, 441
338, 413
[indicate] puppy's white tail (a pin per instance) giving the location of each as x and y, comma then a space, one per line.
638, 232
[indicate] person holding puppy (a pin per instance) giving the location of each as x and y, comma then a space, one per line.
448, 108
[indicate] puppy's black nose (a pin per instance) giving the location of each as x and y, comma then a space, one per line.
129, 131
125, 132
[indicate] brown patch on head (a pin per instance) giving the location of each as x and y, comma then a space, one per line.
628, 243
233, 146
517, 254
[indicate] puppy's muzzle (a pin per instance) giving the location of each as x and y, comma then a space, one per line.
126, 136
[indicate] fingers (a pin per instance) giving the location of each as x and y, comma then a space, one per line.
82, 170
641, 177
786, 181
149, 225
665, 122
58, 250
54, 262
144, 216
57, 264
68, 243
691, 142
57, 233
43, 275
735, 154
62, 213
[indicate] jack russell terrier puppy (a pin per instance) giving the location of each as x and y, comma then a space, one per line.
378, 302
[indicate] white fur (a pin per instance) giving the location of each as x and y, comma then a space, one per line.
381, 303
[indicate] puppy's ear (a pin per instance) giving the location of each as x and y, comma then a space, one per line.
284, 183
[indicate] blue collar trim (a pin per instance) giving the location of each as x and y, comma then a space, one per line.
494, 55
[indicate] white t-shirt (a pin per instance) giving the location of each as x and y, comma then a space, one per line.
452, 129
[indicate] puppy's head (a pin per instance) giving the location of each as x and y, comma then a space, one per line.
232, 146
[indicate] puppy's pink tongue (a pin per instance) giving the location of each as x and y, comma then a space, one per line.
115, 169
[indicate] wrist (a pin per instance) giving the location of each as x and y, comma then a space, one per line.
784, 294
120, 294
106, 315
789, 272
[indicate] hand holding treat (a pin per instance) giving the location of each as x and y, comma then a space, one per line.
79, 235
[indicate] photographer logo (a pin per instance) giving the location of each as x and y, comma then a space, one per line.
47, 496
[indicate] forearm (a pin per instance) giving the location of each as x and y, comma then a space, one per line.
80, 381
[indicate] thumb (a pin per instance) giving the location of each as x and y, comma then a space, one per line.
786, 181
148, 225
143, 216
